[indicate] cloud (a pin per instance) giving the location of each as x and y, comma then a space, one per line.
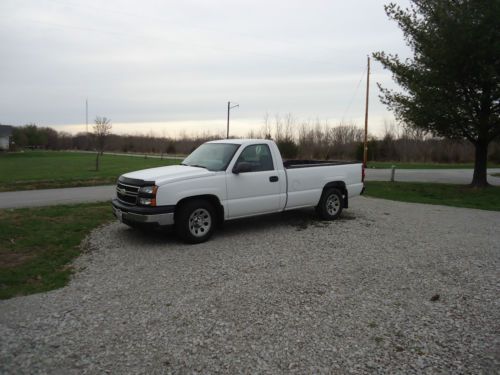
182, 61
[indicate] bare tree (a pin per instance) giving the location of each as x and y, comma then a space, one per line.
266, 127
102, 128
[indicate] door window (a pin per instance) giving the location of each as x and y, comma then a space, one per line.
258, 156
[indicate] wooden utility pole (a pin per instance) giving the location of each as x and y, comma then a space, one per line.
365, 153
229, 107
228, 110
87, 116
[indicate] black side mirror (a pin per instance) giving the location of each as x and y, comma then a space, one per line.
242, 167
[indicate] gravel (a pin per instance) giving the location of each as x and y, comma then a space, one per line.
390, 288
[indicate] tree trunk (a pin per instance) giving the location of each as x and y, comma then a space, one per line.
479, 179
97, 162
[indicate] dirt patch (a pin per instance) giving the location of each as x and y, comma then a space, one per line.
8, 260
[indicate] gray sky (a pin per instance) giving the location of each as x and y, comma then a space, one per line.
162, 66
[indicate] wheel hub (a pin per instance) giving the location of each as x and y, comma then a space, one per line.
333, 204
200, 222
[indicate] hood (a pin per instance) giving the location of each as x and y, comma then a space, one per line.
171, 173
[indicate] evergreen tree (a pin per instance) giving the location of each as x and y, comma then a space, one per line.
451, 85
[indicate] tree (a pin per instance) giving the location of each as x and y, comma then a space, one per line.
102, 128
451, 85
19, 137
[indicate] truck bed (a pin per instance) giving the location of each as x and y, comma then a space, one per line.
305, 163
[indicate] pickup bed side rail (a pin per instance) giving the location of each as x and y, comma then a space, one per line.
291, 164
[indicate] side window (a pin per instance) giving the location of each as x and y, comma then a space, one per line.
258, 156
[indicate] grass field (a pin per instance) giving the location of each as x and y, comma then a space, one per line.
51, 169
441, 194
38, 244
388, 165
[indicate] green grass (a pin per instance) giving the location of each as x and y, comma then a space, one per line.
401, 165
441, 194
52, 169
38, 244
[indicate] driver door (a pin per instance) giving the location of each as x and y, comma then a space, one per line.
256, 191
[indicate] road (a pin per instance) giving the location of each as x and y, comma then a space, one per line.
134, 154
47, 197
445, 176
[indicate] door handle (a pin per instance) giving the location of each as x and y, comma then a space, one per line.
273, 178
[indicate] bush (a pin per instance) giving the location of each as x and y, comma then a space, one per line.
171, 148
288, 148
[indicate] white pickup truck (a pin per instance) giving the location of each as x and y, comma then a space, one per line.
231, 179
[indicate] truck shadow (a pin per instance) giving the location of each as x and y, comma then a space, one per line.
299, 220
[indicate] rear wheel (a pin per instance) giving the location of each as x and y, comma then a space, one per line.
330, 205
195, 221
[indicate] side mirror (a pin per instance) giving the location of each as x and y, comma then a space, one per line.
242, 167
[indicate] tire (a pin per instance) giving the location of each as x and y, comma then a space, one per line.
195, 221
330, 205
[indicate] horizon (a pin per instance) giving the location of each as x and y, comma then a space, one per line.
238, 128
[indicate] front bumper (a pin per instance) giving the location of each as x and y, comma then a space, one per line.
155, 216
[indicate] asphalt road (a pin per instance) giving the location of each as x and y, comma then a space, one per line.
47, 197
445, 176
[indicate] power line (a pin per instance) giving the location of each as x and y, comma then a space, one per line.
170, 41
178, 43
164, 19
353, 95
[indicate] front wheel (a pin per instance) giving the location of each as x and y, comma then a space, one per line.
330, 205
195, 222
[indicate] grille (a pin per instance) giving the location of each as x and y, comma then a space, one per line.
127, 193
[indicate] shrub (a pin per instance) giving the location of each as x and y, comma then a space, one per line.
288, 148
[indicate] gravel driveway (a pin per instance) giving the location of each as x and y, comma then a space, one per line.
280, 294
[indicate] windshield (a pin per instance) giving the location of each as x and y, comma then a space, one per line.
212, 156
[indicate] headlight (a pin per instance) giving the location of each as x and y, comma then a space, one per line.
147, 195
147, 201
148, 189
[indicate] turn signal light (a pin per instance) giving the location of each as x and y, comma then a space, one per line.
147, 202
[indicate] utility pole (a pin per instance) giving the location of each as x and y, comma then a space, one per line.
87, 115
365, 153
229, 107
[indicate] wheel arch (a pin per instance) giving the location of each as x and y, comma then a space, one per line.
213, 199
340, 185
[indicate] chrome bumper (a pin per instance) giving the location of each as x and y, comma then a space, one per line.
159, 219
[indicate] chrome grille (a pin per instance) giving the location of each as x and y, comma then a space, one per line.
127, 193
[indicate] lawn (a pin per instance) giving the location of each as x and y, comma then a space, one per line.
38, 244
441, 194
52, 169
401, 165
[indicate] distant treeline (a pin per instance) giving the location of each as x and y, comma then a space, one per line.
296, 140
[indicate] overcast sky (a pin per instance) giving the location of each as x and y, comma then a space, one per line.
162, 66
